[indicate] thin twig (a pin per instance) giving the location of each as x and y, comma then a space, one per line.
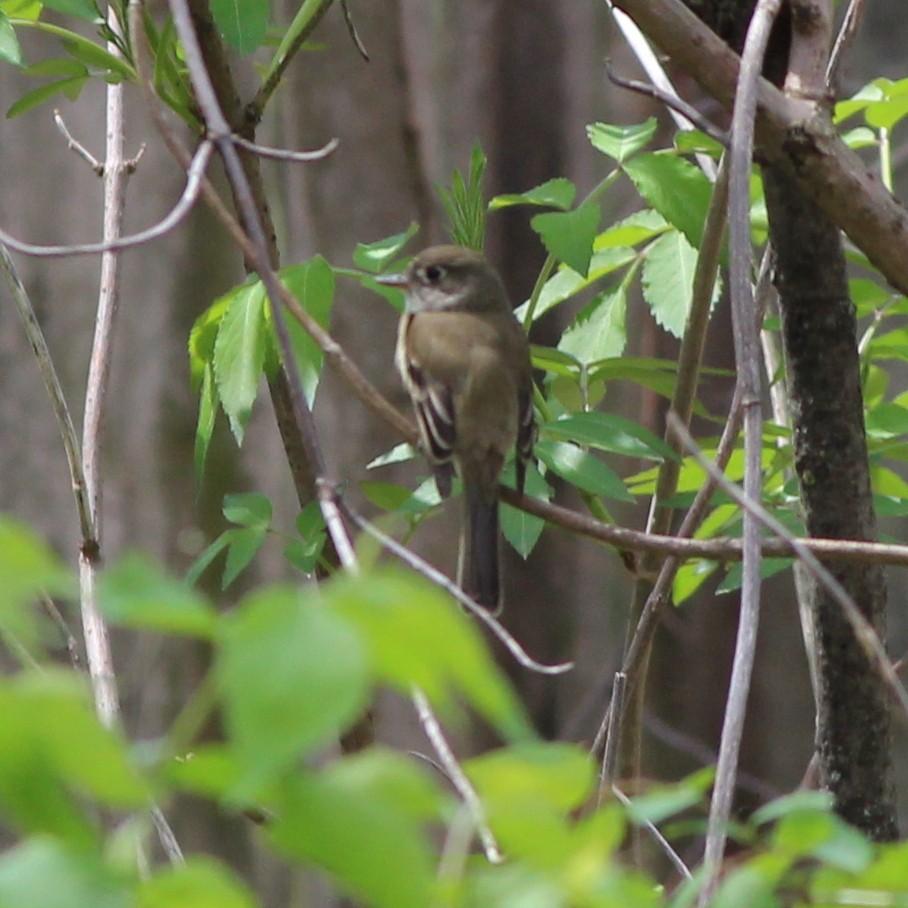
351, 30
863, 629
78, 147
747, 359
615, 716
657, 837
287, 154
427, 570
671, 100
55, 390
109, 244
457, 776
850, 25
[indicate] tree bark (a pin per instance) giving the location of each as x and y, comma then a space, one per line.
853, 735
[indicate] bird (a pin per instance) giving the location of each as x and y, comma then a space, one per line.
465, 362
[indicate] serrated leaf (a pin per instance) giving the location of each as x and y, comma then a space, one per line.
239, 355
208, 411
632, 230
243, 546
557, 193
621, 142
677, 189
418, 637
376, 257
312, 283
243, 23
600, 330
668, 278
582, 469
357, 819
566, 283
523, 530
10, 51
292, 675
610, 432
137, 593
248, 509
569, 235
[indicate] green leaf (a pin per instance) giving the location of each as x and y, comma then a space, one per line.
664, 801
54, 753
398, 454
136, 592
199, 883
621, 142
45, 873
569, 235
795, 802
610, 432
566, 282
80, 9
362, 820
677, 189
769, 567
599, 331
312, 283
202, 338
239, 354
243, 546
293, 676
28, 569
631, 231
21, 9
418, 637
243, 23
464, 203
523, 530
582, 469
557, 193
555, 775
668, 277
96, 57
42, 95
208, 411
248, 509
10, 51
376, 257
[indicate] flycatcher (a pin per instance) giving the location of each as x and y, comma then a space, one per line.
465, 361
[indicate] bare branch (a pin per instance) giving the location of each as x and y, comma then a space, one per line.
55, 390
680, 867
794, 134
671, 100
850, 25
286, 154
115, 243
863, 629
427, 570
747, 359
457, 776
78, 147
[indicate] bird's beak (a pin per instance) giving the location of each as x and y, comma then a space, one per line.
392, 280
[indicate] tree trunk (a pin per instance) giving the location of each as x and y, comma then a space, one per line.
853, 734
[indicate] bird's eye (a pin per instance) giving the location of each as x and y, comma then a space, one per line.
434, 273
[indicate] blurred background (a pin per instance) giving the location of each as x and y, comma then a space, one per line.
523, 77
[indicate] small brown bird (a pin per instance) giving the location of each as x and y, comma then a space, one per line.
465, 361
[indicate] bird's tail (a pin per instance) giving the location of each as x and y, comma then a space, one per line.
480, 556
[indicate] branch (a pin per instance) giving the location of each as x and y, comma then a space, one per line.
747, 358
794, 134
115, 242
